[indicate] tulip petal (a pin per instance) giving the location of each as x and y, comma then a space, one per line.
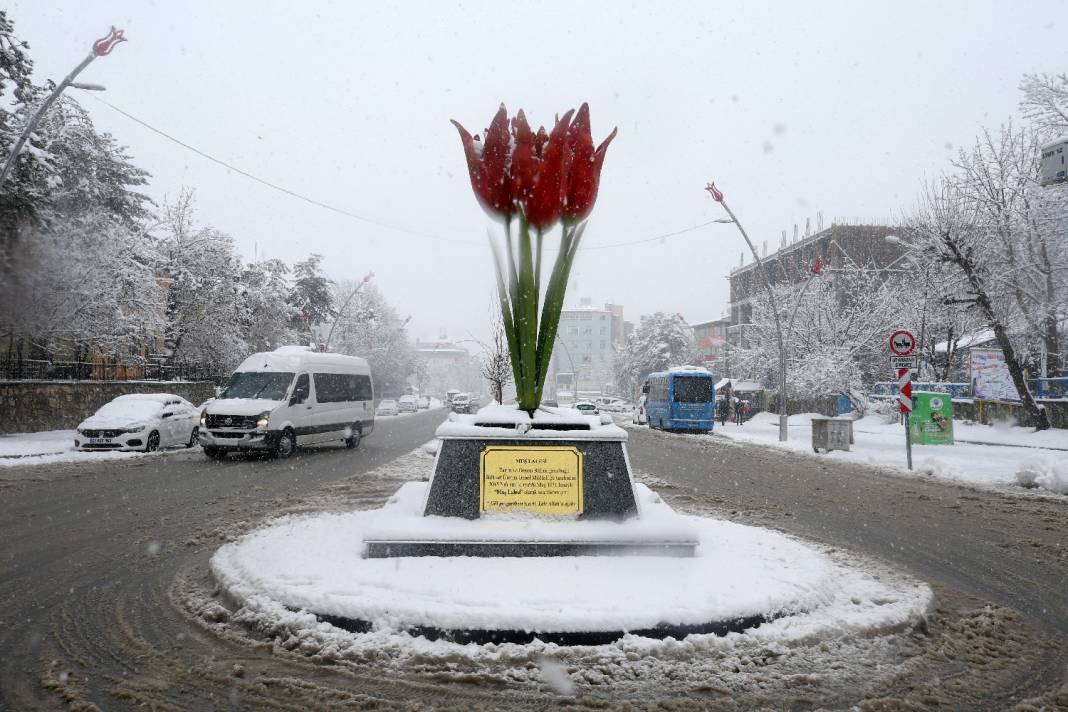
524, 168
474, 163
495, 162
545, 205
585, 175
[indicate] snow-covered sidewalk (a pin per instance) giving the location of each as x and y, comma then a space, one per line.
983, 455
50, 446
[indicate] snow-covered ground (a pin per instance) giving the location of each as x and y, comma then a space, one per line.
987, 456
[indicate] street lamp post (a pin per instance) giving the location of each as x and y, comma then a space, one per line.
101, 47
717, 195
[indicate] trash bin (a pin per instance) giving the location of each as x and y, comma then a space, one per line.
831, 434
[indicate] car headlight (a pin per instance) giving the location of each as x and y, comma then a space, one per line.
262, 422
135, 428
204, 419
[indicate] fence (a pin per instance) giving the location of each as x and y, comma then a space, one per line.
42, 370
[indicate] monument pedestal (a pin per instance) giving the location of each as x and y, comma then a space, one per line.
508, 485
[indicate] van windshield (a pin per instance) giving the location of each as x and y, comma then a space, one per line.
259, 384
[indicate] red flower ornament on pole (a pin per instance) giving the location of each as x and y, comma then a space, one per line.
104, 45
534, 180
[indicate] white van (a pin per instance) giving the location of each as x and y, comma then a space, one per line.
291, 396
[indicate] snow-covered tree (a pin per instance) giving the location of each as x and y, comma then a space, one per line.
266, 312
370, 327
835, 332
312, 294
660, 342
1045, 102
496, 365
1022, 226
953, 225
202, 278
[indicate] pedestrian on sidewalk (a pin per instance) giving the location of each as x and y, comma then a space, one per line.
725, 405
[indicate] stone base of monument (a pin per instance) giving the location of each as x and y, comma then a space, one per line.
658, 531
506, 484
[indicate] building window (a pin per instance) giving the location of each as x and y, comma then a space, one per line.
602, 346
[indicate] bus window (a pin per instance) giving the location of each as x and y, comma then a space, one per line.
693, 390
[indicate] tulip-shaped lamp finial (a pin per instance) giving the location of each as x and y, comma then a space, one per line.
716, 193
104, 45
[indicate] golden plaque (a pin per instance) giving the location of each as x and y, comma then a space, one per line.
531, 478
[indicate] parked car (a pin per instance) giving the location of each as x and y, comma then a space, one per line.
387, 406
587, 408
291, 396
639, 417
423, 403
408, 404
142, 421
613, 405
550, 404
461, 403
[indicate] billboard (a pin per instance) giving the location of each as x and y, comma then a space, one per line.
931, 419
990, 376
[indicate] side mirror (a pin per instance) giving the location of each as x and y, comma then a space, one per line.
299, 396
645, 388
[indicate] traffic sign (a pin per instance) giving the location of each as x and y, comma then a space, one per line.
903, 362
902, 343
904, 389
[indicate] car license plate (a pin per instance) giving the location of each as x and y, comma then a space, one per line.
99, 441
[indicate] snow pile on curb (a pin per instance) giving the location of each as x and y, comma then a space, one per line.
1045, 472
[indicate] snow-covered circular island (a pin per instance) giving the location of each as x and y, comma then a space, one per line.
741, 577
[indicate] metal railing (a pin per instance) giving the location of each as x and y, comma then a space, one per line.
43, 370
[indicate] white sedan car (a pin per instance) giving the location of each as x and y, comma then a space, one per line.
387, 406
143, 421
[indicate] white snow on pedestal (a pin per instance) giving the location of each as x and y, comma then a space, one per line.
509, 421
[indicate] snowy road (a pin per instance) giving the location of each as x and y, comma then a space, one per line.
99, 564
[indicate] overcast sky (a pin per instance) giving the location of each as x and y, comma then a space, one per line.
793, 108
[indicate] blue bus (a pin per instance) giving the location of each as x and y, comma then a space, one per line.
681, 399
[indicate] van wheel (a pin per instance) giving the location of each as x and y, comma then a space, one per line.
286, 445
353, 441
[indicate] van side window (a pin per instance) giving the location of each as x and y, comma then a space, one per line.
361, 388
331, 387
302, 385
342, 387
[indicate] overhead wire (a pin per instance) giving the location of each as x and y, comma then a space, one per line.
356, 216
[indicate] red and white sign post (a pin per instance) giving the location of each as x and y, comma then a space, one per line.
902, 344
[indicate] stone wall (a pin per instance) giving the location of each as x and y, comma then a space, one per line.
32, 406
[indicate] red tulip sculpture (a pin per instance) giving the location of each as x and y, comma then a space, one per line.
531, 181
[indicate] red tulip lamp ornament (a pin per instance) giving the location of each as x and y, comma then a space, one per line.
531, 181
